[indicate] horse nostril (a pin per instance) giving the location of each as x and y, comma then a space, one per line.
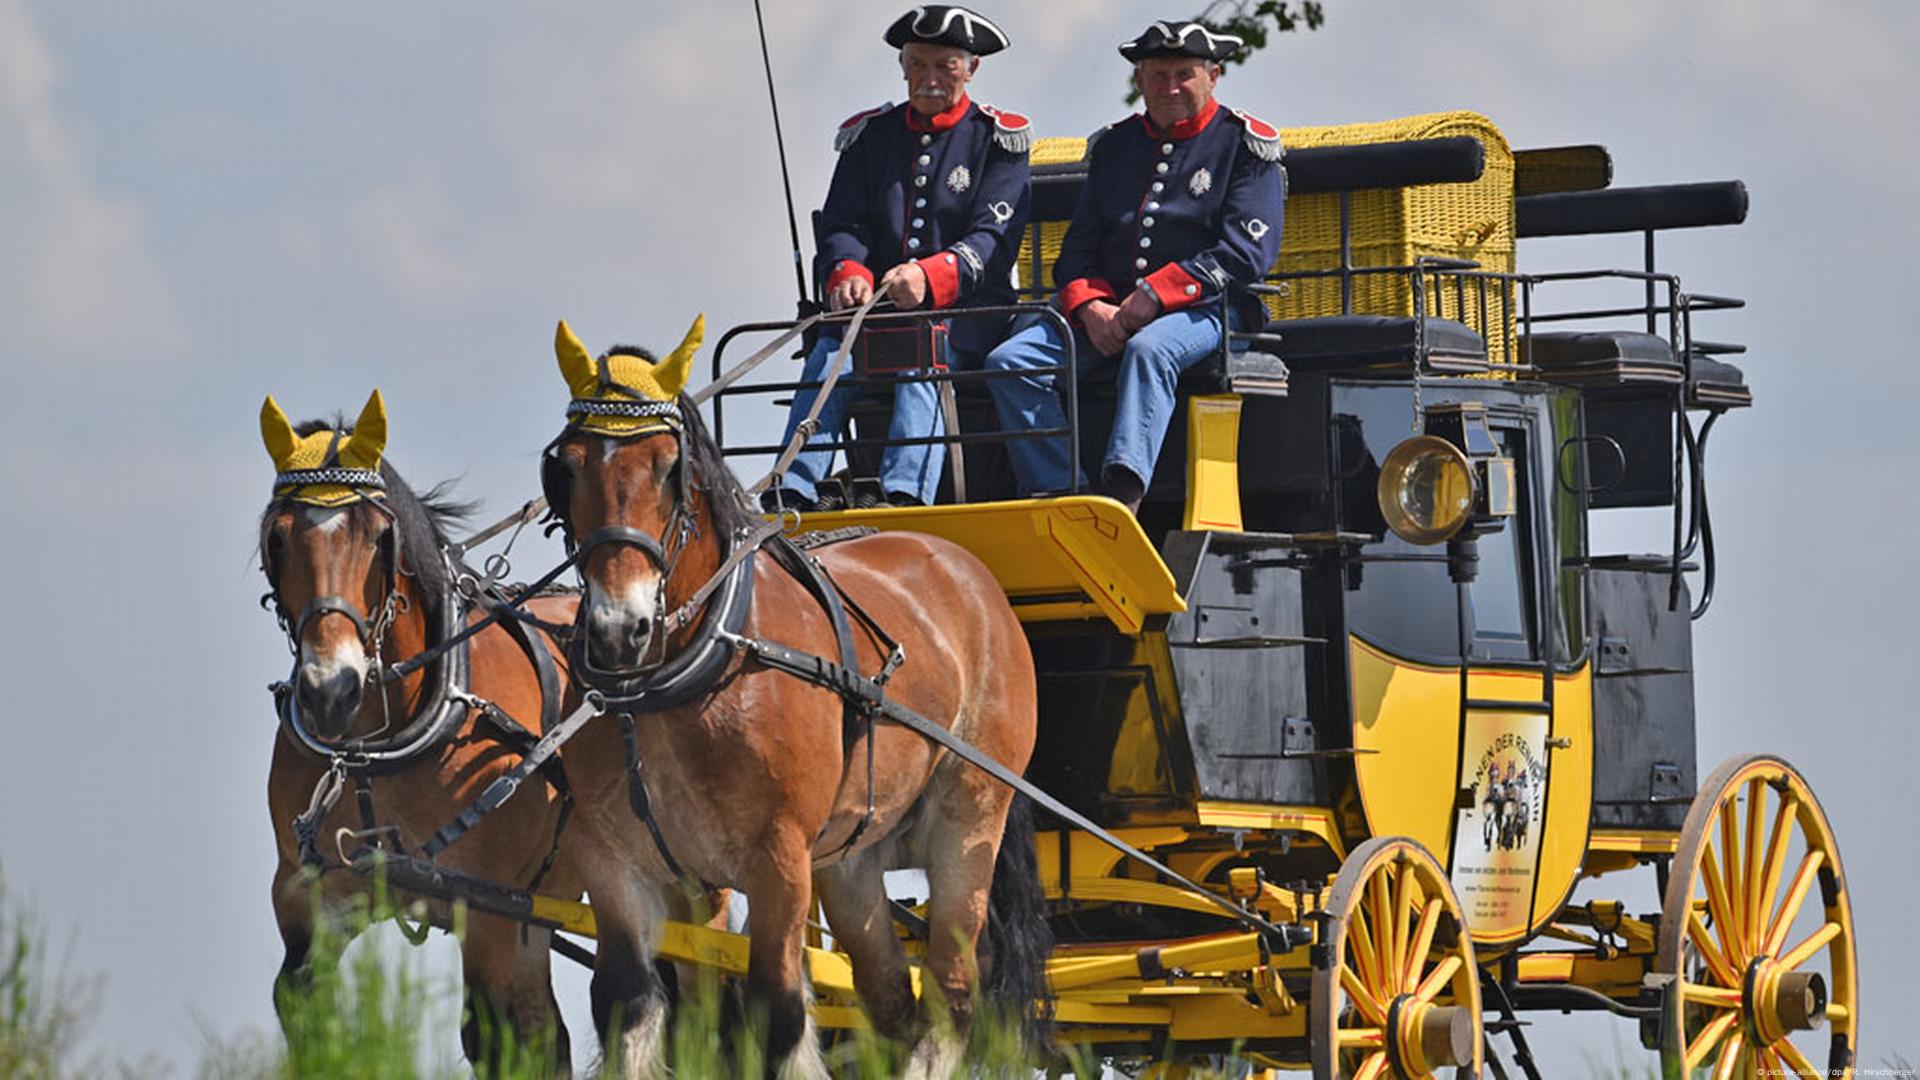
329, 700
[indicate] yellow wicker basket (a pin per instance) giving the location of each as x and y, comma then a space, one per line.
1393, 227
1390, 227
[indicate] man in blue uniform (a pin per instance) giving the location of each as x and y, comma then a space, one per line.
926, 207
1181, 208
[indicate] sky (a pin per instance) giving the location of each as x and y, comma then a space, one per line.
207, 201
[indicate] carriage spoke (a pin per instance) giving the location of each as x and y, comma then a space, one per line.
1372, 1068
1795, 1060
1710, 1037
1720, 997
1362, 1038
1804, 951
1777, 841
1709, 949
1379, 891
1717, 904
1363, 997
1731, 1052
1360, 937
1750, 880
1402, 903
1730, 879
1422, 942
1442, 974
1768, 1062
1790, 907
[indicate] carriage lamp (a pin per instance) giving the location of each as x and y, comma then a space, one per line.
1450, 480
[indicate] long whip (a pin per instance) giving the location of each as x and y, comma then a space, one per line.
786, 181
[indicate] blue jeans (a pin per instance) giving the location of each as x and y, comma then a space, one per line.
1150, 365
904, 470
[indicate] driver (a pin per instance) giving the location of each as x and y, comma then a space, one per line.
925, 207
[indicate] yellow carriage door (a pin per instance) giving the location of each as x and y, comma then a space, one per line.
1483, 755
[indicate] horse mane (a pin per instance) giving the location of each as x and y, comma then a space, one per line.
707, 470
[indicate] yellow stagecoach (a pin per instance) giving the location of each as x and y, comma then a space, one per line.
1354, 667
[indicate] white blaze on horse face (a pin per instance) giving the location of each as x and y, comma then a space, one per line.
325, 520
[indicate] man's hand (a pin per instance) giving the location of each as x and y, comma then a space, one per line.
1101, 318
905, 285
850, 293
1140, 308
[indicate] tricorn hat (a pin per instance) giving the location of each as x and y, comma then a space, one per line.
1180, 38
948, 24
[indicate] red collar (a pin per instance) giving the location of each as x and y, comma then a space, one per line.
938, 121
1184, 129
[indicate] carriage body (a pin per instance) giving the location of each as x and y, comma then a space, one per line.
1259, 681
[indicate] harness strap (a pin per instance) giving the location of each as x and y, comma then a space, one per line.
849, 684
508, 782
855, 719
637, 796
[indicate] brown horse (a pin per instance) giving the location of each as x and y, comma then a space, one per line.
356, 565
758, 779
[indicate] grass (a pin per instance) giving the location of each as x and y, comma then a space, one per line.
368, 1013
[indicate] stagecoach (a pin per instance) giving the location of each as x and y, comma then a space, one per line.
1340, 730
1355, 667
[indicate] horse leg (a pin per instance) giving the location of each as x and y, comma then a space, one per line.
855, 897
510, 1011
779, 890
629, 1002
293, 913
967, 815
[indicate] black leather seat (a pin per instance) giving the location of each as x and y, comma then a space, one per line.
1602, 358
1716, 384
1375, 342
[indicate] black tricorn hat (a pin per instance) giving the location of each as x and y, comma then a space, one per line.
948, 24
1180, 37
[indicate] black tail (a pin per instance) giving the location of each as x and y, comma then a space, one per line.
1018, 938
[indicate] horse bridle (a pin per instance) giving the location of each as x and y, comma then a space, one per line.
682, 526
367, 485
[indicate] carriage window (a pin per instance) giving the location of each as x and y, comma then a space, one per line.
1502, 612
1568, 540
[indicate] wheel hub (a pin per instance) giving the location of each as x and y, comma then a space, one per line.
1784, 1001
1423, 1038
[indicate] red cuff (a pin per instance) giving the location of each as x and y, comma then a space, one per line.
1173, 287
847, 269
1075, 294
943, 278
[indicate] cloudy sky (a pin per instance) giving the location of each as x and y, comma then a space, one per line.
203, 202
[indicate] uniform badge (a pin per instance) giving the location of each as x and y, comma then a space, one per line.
1002, 211
1200, 182
1255, 228
959, 179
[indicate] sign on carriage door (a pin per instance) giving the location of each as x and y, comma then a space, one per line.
1506, 718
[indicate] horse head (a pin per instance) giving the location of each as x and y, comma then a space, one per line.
329, 550
618, 481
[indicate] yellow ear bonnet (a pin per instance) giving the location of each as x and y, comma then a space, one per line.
625, 395
326, 468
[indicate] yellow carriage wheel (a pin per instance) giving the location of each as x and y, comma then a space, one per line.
1395, 989
1756, 933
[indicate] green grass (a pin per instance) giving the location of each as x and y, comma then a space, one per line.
370, 1013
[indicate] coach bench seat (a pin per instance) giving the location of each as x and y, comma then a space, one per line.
1602, 358
1375, 343
1716, 384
